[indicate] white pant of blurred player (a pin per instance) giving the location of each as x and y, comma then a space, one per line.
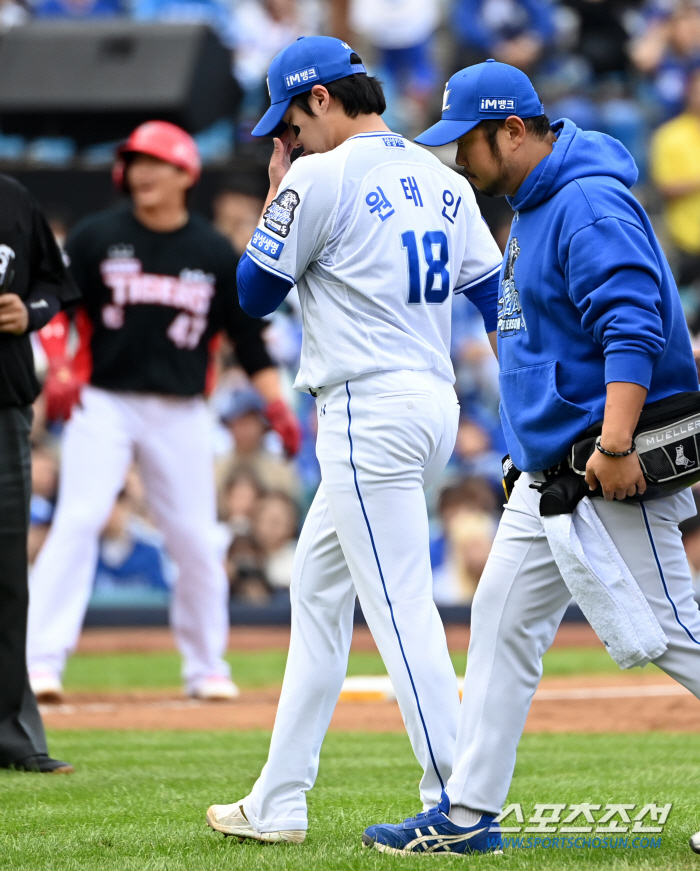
171, 438
518, 606
382, 438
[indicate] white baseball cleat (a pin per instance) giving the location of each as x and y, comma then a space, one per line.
695, 843
215, 689
229, 819
46, 687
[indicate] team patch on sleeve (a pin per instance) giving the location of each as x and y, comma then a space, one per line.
279, 215
267, 244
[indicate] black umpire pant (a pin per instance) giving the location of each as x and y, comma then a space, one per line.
21, 729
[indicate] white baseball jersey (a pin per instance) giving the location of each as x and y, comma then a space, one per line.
377, 235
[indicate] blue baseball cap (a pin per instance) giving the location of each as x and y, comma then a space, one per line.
311, 60
479, 92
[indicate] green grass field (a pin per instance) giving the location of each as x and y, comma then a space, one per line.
138, 799
124, 671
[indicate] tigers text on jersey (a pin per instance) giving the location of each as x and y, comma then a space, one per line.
377, 234
155, 300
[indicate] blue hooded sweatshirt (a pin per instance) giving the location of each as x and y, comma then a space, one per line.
586, 298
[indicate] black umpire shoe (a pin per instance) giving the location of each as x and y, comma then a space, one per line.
42, 764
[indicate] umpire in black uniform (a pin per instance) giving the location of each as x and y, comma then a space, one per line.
34, 285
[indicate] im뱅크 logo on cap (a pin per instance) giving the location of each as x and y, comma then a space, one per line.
497, 104
301, 77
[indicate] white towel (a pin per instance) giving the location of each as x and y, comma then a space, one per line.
603, 586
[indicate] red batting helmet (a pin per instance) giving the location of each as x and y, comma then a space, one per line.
162, 140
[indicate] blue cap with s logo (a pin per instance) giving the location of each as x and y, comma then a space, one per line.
311, 60
487, 90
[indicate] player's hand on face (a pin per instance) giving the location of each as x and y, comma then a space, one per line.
618, 476
280, 162
14, 317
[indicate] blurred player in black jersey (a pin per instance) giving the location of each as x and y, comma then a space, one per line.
158, 285
34, 285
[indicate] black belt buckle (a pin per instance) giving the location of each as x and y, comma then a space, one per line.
314, 391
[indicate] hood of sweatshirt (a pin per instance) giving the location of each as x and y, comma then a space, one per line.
587, 298
576, 154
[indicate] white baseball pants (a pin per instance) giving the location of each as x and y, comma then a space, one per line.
382, 438
170, 438
518, 607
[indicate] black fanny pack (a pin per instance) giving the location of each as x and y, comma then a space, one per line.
667, 442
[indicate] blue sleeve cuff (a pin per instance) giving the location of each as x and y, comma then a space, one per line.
259, 291
484, 295
631, 366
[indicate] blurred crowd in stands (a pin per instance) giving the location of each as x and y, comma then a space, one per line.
621, 66
630, 68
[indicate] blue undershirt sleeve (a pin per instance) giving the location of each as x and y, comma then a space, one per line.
484, 295
259, 291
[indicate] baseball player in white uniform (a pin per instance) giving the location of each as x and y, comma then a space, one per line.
591, 332
377, 235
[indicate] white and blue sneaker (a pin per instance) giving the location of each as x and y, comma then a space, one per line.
434, 832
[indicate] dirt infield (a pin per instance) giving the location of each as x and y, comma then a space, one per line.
277, 637
623, 702
628, 703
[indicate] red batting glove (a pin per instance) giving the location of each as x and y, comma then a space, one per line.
284, 422
61, 389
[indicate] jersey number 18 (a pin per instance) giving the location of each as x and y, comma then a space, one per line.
436, 287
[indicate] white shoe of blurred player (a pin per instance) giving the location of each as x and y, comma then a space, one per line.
231, 820
695, 843
46, 687
215, 689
